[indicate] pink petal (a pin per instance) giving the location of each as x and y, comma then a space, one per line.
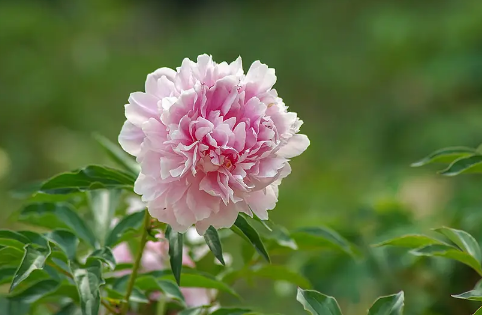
296, 145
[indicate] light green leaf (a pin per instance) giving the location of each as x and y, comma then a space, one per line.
105, 255
33, 259
478, 312
88, 280
317, 303
212, 240
10, 256
448, 252
388, 305
411, 241
251, 235
136, 295
463, 240
57, 215
13, 239
130, 222
445, 155
231, 311
471, 164
118, 155
323, 237
176, 241
65, 240
103, 204
35, 291
150, 283
473, 295
278, 272
88, 178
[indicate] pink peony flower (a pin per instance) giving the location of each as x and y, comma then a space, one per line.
211, 141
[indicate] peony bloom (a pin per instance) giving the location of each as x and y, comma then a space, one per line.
211, 142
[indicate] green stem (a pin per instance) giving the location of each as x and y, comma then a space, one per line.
137, 263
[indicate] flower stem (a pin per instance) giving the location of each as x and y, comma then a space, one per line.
137, 263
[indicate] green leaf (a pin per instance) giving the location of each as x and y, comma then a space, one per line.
192, 311
33, 259
13, 239
323, 237
35, 291
69, 309
231, 311
105, 255
10, 255
411, 241
130, 222
277, 272
176, 241
88, 280
88, 178
317, 303
463, 240
65, 240
136, 295
57, 215
478, 312
169, 288
35, 238
251, 235
473, 295
445, 155
282, 237
118, 155
388, 305
103, 204
450, 252
212, 240
471, 164
6, 274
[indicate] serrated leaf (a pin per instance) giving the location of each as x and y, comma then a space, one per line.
231, 311
105, 255
118, 155
251, 235
448, 252
388, 305
169, 288
317, 303
132, 221
176, 241
88, 281
410, 241
192, 311
463, 240
57, 215
13, 239
65, 240
445, 155
471, 164
88, 178
214, 243
33, 259
323, 237
103, 204
35, 291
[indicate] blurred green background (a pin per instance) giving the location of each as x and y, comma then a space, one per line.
378, 84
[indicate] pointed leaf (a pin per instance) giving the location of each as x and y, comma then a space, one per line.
105, 255
169, 288
57, 215
33, 259
388, 305
212, 240
13, 239
35, 291
320, 237
66, 240
132, 221
251, 234
445, 155
471, 164
473, 295
103, 204
411, 241
88, 178
317, 303
88, 281
176, 241
463, 240
118, 155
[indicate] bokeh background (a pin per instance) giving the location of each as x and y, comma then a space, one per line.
378, 84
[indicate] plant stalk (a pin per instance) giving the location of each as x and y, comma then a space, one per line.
137, 263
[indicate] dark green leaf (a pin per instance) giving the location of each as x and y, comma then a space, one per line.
118, 155
322, 237
103, 204
6, 274
65, 240
463, 240
176, 241
57, 215
35, 238
150, 283
69, 309
445, 155
231, 311
251, 234
33, 259
212, 240
13, 239
35, 291
88, 178
471, 164
88, 280
388, 305
132, 221
105, 255
411, 241
317, 303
